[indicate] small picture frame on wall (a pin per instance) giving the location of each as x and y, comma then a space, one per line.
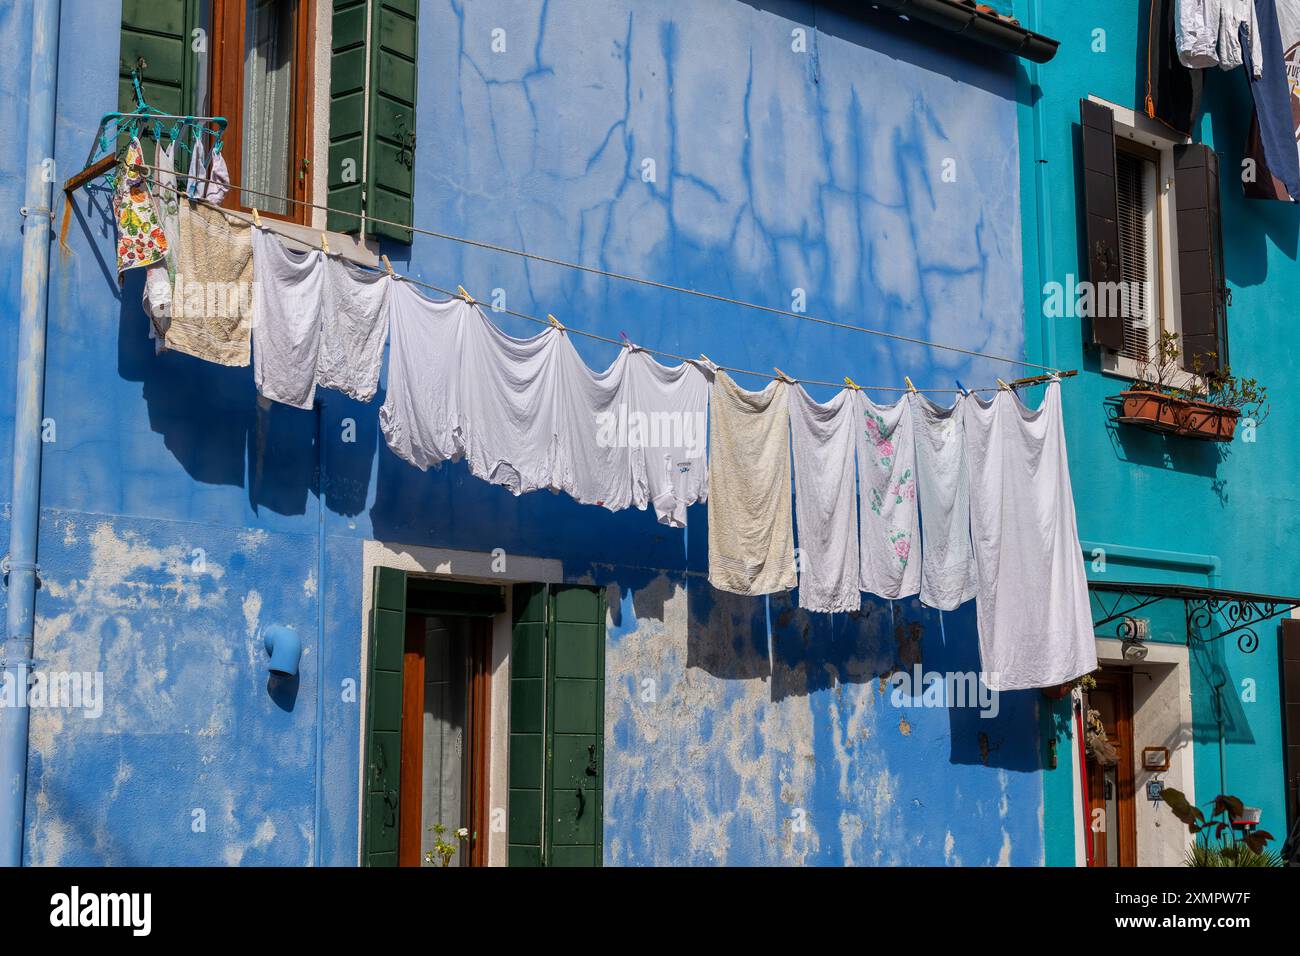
1155, 759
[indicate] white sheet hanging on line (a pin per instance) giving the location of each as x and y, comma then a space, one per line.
825, 500
459, 387
1035, 626
888, 517
591, 464
751, 542
287, 290
355, 329
530, 414
943, 489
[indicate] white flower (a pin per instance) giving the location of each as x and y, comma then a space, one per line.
463, 833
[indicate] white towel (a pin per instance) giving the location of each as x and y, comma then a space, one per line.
888, 517
943, 489
825, 500
751, 543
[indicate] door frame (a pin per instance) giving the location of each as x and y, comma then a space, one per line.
481, 567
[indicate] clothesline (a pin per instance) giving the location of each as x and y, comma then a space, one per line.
871, 483
659, 285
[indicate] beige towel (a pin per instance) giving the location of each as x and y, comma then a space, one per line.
751, 541
212, 302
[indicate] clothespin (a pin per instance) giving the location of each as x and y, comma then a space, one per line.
910, 387
1003, 385
555, 323
388, 266
324, 244
782, 376
460, 289
852, 384
257, 220
627, 343
963, 388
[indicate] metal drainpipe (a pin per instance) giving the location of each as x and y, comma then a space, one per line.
28, 411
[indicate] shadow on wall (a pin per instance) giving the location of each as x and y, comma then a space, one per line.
1191, 456
727, 637
212, 420
1213, 682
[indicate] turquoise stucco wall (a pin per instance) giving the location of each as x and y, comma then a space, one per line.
1238, 503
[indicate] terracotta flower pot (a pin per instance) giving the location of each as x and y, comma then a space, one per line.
1209, 422
1151, 410
1159, 412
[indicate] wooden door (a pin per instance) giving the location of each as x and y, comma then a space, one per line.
1111, 800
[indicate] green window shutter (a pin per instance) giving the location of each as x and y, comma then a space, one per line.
372, 115
557, 725
575, 726
348, 69
158, 32
384, 718
527, 724
390, 147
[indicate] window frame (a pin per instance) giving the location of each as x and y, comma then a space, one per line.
226, 91
1143, 136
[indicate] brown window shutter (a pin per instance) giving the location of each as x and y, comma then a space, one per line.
1202, 292
1101, 208
1290, 655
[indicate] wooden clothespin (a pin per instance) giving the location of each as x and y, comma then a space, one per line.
910, 387
257, 219
324, 243
555, 323
852, 384
460, 290
782, 376
1003, 385
388, 266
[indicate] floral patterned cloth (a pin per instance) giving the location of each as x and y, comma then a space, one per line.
889, 520
140, 237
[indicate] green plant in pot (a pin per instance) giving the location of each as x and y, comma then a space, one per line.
1197, 402
1211, 848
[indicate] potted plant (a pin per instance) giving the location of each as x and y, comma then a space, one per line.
1193, 403
1210, 847
443, 850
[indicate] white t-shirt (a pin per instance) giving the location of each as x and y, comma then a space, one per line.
287, 288
355, 329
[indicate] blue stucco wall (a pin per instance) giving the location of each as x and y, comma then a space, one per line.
771, 739
1236, 503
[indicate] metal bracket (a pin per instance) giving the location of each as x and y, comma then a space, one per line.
1238, 612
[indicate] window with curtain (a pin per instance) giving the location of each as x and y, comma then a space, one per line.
269, 34
256, 71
